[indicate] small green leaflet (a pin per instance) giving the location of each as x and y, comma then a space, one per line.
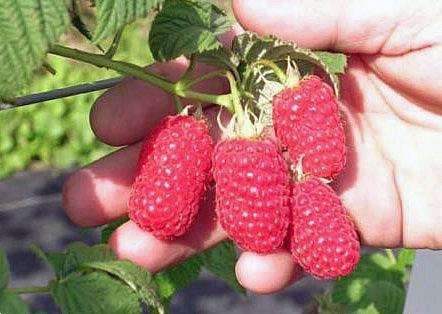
94, 292
27, 29
12, 303
76, 254
4, 271
386, 297
221, 260
184, 27
353, 291
260, 80
138, 279
110, 228
112, 15
177, 277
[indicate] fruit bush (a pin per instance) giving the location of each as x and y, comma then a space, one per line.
271, 178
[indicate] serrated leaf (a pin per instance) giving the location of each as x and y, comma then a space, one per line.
221, 58
221, 261
177, 277
386, 297
112, 15
11, 303
64, 263
406, 258
4, 270
260, 80
110, 228
336, 62
79, 253
184, 27
138, 279
27, 29
351, 291
95, 292
54, 259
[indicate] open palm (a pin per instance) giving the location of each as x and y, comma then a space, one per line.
392, 103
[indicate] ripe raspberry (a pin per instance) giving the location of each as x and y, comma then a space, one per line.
252, 190
323, 238
307, 121
173, 172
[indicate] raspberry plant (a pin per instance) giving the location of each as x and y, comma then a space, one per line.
91, 279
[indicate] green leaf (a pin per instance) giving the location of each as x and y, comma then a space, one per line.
351, 291
110, 228
184, 27
95, 292
221, 261
336, 62
222, 58
64, 263
260, 81
138, 279
4, 271
387, 297
406, 258
27, 29
177, 277
112, 15
11, 303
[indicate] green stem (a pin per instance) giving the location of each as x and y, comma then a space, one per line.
142, 74
205, 77
237, 108
27, 290
114, 45
276, 69
391, 256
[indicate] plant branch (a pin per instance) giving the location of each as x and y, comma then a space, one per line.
110, 53
142, 74
28, 290
205, 77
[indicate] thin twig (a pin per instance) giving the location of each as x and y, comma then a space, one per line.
61, 93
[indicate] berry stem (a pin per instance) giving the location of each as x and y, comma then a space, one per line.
142, 74
205, 77
276, 69
237, 108
29, 290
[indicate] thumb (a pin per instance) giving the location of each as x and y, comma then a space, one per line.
361, 26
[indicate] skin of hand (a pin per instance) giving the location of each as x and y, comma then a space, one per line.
391, 103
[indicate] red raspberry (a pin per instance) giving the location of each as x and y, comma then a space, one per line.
307, 121
173, 172
323, 238
252, 190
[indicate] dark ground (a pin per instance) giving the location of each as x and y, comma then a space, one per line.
30, 212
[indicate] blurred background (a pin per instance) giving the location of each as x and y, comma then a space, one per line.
40, 145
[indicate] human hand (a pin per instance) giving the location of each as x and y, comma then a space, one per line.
392, 106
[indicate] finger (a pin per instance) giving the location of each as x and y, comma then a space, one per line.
98, 193
266, 274
126, 113
130, 242
362, 26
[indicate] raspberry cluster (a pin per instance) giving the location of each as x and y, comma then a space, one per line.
259, 203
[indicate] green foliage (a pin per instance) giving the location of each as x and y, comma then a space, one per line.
138, 279
221, 260
171, 280
4, 271
112, 15
94, 292
27, 29
107, 231
184, 27
57, 133
376, 286
12, 303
